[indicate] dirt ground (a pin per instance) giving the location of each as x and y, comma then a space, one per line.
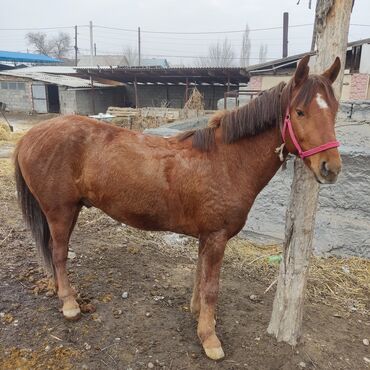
152, 327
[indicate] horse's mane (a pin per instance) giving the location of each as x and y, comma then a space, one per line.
251, 119
260, 114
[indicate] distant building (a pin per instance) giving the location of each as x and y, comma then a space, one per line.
356, 82
55, 89
155, 62
15, 57
102, 60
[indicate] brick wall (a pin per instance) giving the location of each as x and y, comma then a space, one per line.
359, 86
255, 83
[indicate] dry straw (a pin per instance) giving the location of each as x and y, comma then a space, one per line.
195, 101
334, 281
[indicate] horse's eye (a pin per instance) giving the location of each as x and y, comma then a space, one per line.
299, 113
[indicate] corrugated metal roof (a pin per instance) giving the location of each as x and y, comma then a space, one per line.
154, 68
68, 81
105, 60
12, 56
172, 75
359, 42
66, 70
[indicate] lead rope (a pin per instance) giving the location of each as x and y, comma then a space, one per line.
279, 151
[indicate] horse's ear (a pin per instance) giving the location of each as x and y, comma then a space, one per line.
302, 70
333, 71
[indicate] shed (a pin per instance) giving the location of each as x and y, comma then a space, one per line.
155, 86
47, 90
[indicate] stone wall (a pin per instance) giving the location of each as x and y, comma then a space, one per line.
87, 102
15, 99
343, 216
67, 100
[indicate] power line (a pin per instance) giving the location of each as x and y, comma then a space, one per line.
39, 28
183, 56
168, 32
202, 32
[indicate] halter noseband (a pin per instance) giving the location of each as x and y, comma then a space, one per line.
301, 153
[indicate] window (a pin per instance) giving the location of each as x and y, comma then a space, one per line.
13, 86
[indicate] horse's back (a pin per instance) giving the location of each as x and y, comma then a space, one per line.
72, 158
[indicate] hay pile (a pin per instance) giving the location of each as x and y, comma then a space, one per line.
6, 136
335, 281
195, 101
139, 122
5, 133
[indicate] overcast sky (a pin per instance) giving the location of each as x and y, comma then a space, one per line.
171, 16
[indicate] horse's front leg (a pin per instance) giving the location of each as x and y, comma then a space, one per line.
211, 256
195, 298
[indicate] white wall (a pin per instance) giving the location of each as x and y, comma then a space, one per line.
365, 59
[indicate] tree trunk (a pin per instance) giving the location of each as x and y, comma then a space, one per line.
331, 25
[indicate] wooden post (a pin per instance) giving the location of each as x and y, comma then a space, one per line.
92, 94
76, 47
139, 45
285, 34
187, 90
332, 24
136, 94
91, 44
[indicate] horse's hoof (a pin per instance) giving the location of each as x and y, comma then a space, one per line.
214, 353
72, 314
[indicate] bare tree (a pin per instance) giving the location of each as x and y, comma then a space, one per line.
39, 42
262, 53
246, 48
58, 46
220, 54
61, 45
132, 56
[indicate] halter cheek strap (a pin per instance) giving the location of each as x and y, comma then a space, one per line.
303, 154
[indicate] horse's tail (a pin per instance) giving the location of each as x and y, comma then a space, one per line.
33, 215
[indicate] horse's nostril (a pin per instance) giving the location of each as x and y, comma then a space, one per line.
325, 168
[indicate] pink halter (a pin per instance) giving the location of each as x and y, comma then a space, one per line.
309, 152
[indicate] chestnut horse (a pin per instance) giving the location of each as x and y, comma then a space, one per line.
201, 183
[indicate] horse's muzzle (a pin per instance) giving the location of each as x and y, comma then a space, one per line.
328, 173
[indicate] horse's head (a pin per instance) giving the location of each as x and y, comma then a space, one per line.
309, 123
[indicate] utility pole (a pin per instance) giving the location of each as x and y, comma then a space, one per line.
332, 24
91, 44
76, 48
95, 49
139, 44
285, 34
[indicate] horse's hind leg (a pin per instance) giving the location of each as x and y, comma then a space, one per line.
61, 223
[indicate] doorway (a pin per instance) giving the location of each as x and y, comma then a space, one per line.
53, 99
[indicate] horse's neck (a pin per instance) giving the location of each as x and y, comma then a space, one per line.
256, 159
